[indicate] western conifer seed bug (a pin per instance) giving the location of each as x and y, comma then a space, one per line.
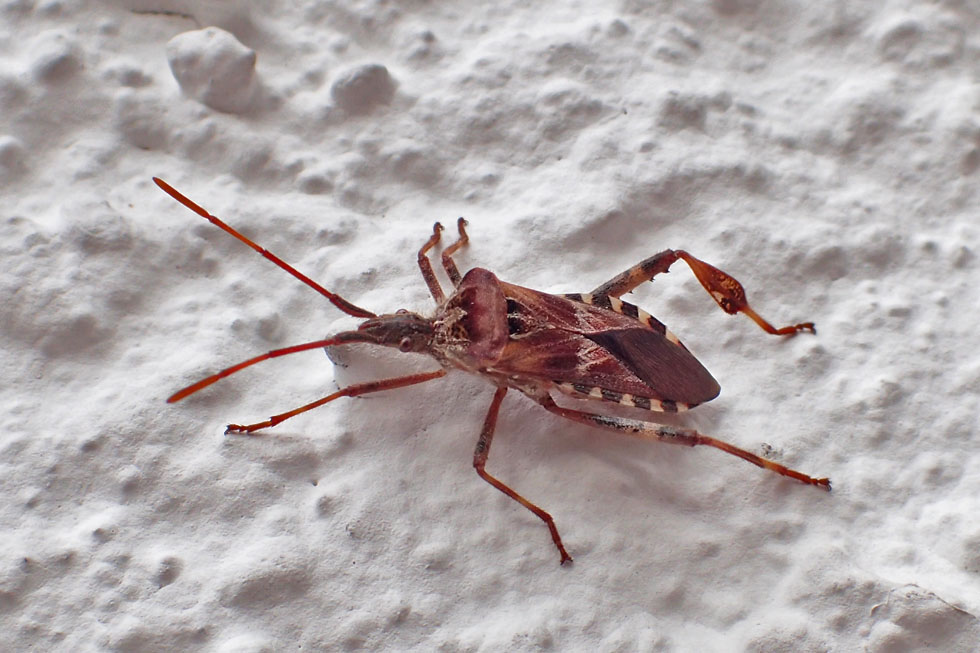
589, 345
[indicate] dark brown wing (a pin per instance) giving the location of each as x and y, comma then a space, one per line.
565, 341
669, 370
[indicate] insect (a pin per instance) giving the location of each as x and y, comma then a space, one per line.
590, 345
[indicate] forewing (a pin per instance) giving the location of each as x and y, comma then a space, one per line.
669, 370
560, 340
529, 310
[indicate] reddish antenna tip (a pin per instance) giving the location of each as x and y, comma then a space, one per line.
167, 188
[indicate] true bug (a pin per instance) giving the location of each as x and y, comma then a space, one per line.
591, 345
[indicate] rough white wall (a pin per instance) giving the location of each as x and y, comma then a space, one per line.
825, 154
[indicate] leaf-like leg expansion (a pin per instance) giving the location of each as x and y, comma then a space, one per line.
676, 435
447, 255
426, 267
480, 462
730, 295
725, 289
351, 391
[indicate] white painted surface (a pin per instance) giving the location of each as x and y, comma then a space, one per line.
826, 156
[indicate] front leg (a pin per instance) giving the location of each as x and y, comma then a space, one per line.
426, 267
349, 391
447, 255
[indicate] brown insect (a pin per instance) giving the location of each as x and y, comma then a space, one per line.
591, 345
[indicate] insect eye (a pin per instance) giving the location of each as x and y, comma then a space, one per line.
405, 344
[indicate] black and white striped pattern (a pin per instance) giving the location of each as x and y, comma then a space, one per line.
623, 399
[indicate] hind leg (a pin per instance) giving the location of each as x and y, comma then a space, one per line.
725, 289
675, 435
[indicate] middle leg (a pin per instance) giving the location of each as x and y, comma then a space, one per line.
480, 456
